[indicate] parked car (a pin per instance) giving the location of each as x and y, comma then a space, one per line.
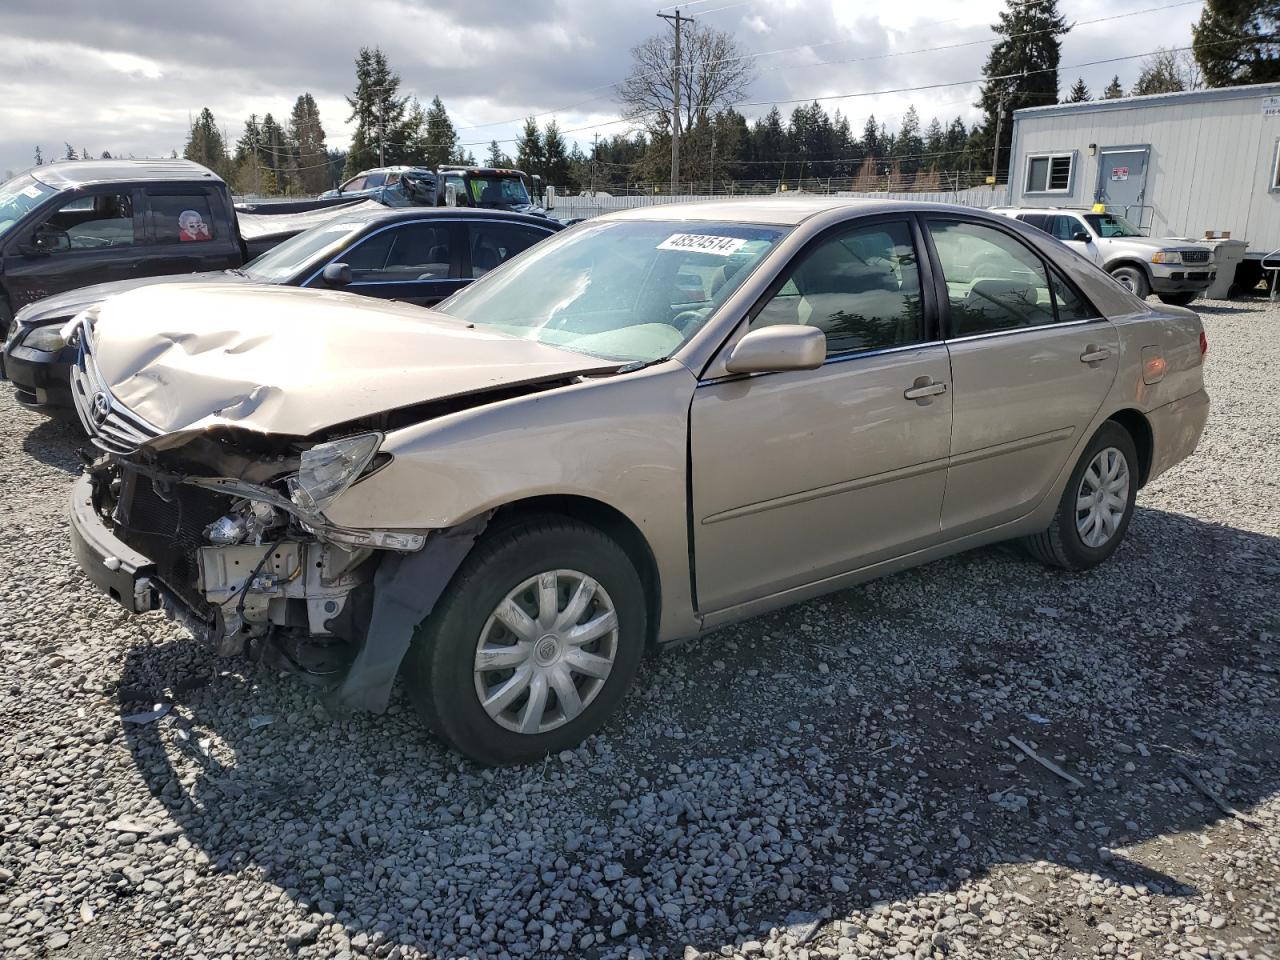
410, 254
490, 188
1177, 271
511, 496
67, 225
367, 183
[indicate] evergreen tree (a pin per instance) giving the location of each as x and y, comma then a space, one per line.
39, 157
306, 137
1235, 42
555, 169
909, 144
205, 144
1114, 91
1079, 92
871, 146
847, 149
769, 144
1021, 70
277, 157
495, 157
379, 113
106, 155
529, 153
439, 139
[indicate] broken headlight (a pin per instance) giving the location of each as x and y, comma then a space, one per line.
327, 469
47, 338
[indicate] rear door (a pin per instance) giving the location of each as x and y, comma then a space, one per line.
1031, 363
188, 229
494, 242
415, 261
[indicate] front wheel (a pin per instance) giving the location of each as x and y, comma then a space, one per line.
534, 645
1133, 280
1178, 299
1096, 506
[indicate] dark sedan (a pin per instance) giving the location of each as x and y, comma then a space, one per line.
414, 255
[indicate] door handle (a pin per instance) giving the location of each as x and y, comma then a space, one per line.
923, 390
1094, 354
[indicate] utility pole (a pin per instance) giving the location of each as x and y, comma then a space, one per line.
595, 154
676, 20
713, 161
995, 150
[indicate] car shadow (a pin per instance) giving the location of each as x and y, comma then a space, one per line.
55, 441
853, 750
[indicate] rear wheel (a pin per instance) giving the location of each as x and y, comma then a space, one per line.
534, 645
1134, 280
1178, 299
1096, 506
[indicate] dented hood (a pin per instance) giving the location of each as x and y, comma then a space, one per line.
292, 361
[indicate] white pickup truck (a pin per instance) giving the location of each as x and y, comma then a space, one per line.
1175, 270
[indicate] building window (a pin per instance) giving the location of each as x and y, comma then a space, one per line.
1049, 173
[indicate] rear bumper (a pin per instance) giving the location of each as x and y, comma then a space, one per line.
113, 567
1175, 430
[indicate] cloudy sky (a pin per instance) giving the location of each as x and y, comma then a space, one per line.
125, 75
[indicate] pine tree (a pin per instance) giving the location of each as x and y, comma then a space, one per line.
306, 137
39, 157
277, 157
1114, 91
555, 169
71, 153
769, 143
871, 145
530, 156
1235, 42
439, 139
205, 144
379, 113
909, 144
495, 157
1079, 92
106, 155
1021, 70
247, 160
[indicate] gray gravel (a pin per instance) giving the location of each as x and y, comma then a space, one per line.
834, 780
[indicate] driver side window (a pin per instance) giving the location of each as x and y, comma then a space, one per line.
861, 288
87, 223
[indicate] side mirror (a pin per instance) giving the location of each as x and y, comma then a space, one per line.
1081, 237
336, 275
787, 346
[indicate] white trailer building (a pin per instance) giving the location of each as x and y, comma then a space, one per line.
1174, 164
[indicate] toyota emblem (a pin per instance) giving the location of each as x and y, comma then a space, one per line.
100, 407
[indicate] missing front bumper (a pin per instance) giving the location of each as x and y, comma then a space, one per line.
112, 565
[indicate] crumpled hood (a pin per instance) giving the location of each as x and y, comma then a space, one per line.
62, 306
293, 361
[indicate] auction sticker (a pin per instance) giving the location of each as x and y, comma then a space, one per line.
703, 243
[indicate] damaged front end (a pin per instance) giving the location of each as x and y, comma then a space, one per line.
224, 528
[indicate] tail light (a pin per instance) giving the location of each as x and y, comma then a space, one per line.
1204, 344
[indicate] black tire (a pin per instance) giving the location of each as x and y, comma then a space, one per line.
1133, 279
439, 668
1061, 544
1178, 299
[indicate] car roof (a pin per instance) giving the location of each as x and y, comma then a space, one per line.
76, 173
780, 209
392, 214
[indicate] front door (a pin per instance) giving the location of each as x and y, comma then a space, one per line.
1122, 182
416, 261
803, 475
92, 237
1031, 361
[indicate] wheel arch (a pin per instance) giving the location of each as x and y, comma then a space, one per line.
1139, 429
1128, 261
608, 520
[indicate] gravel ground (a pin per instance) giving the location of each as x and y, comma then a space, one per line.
838, 779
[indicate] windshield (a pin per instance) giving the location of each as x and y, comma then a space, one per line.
1110, 225
488, 191
628, 290
18, 197
282, 263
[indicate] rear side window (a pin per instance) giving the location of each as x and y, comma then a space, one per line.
182, 218
995, 283
1037, 220
495, 243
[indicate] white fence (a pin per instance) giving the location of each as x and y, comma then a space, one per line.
591, 206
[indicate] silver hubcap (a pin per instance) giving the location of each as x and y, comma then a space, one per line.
1126, 281
546, 651
1102, 498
